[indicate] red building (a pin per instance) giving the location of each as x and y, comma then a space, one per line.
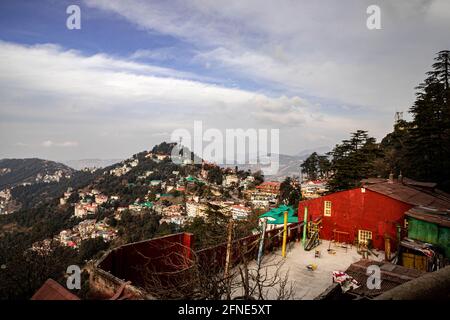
371, 212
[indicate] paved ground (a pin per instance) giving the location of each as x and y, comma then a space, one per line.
309, 284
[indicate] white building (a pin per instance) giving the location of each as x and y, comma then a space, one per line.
101, 198
230, 179
240, 212
195, 209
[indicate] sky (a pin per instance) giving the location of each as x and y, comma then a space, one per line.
138, 70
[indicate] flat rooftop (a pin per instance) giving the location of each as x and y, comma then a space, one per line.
308, 284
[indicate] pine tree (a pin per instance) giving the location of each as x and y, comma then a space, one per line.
394, 147
310, 166
353, 160
428, 149
316, 166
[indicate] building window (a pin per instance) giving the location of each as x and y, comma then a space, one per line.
364, 235
327, 209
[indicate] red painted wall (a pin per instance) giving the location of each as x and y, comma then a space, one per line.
127, 261
353, 210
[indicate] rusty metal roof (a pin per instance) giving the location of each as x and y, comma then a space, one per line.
52, 290
410, 193
391, 276
441, 218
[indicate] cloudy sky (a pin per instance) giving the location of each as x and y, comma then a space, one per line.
137, 70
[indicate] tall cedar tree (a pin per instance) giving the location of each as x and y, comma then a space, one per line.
289, 194
353, 160
428, 149
316, 166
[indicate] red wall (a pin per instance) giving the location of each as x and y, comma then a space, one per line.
127, 261
352, 210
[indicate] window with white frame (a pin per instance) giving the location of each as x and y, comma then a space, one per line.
364, 235
327, 208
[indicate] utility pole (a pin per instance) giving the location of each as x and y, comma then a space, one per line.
261, 242
229, 240
228, 256
283, 250
305, 225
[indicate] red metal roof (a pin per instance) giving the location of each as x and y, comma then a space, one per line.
52, 290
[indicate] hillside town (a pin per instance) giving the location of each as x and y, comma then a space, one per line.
329, 234
214, 159
178, 199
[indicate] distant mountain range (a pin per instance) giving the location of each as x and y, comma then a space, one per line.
320, 150
289, 165
15, 172
90, 163
35, 180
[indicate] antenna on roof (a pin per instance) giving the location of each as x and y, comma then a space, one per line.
398, 116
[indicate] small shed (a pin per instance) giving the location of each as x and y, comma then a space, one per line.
431, 226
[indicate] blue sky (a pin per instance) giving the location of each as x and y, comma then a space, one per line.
137, 70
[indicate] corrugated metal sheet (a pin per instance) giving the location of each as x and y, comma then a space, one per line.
444, 240
412, 195
391, 276
423, 231
441, 218
430, 226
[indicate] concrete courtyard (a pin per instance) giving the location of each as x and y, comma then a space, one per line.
309, 284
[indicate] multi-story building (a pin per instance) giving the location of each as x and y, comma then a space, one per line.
230, 180
247, 182
196, 209
269, 187
83, 209
313, 189
100, 199
240, 212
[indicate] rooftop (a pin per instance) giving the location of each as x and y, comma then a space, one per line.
52, 290
410, 191
276, 215
441, 218
391, 276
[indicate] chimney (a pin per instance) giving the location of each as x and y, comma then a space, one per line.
400, 178
391, 178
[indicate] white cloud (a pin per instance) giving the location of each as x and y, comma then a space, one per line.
330, 73
319, 48
47, 91
64, 144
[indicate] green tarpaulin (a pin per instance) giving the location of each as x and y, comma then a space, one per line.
276, 215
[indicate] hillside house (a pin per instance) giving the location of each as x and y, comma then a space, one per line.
240, 212
313, 189
270, 187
